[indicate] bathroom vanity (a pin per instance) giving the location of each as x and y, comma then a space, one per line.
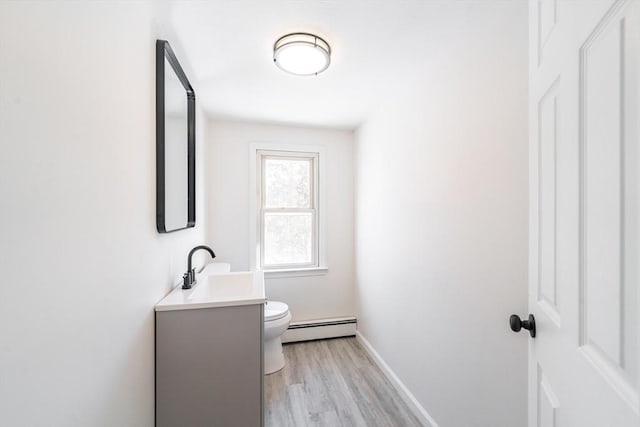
209, 354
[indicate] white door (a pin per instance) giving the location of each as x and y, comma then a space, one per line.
584, 218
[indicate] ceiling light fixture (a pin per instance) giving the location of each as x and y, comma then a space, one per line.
302, 54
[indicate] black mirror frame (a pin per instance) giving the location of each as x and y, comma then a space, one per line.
163, 50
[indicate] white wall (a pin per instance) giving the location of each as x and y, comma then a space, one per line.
441, 227
315, 297
82, 264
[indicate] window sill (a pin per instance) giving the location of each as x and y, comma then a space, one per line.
295, 272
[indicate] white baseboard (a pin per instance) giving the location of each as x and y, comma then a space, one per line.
320, 329
413, 404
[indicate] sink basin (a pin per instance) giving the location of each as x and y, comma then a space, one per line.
216, 268
217, 288
227, 287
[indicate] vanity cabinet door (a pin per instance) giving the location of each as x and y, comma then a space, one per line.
209, 367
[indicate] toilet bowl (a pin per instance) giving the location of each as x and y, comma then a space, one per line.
276, 321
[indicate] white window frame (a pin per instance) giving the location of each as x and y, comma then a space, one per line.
257, 153
312, 158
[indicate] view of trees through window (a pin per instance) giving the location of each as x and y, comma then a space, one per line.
288, 211
287, 183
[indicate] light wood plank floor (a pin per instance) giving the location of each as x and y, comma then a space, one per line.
332, 383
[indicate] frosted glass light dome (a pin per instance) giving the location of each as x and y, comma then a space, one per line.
302, 54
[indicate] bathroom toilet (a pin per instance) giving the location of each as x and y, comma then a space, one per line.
276, 321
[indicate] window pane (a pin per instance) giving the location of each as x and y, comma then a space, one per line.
288, 238
287, 183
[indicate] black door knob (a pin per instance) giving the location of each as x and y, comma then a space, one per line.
517, 324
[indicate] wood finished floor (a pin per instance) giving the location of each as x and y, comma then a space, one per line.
332, 383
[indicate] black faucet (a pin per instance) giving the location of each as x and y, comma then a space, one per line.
189, 278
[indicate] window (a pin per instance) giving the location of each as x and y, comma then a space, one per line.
288, 210
287, 224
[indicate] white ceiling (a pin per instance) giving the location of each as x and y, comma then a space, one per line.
379, 48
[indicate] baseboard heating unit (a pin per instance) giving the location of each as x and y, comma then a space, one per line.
320, 329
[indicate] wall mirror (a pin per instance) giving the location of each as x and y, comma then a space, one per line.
175, 144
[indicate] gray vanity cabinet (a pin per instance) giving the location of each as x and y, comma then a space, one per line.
209, 367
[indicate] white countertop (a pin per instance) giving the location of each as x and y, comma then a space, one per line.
217, 287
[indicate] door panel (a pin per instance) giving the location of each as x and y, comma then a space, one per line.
547, 402
602, 166
584, 235
547, 281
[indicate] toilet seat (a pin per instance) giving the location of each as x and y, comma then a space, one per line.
274, 310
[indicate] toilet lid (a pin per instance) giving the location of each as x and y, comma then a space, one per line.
274, 310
